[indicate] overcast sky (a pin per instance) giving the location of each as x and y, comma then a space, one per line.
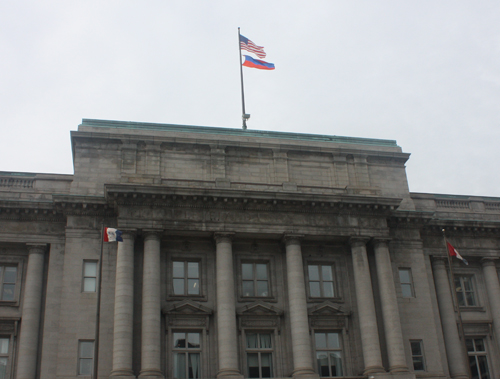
423, 73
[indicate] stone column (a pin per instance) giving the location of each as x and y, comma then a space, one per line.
226, 310
366, 308
124, 307
454, 347
299, 320
390, 309
30, 318
493, 290
151, 307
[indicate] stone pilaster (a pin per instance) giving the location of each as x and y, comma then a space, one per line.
151, 308
124, 308
226, 309
493, 289
30, 321
454, 347
366, 308
218, 162
390, 309
301, 340
280, 166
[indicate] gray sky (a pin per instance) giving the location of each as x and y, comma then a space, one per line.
424, 73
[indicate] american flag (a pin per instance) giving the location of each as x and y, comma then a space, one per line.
248, 45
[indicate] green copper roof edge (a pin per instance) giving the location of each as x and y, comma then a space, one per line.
236, 132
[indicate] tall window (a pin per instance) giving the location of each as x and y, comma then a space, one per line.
417, 355
186, 278
255, 279
477, 358
186, 355
465, 291
85, 357
4, 356
321, 281
8, 276
89, 276
328, 354
259, 355
406, 281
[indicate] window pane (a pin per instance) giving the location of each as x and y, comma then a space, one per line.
86, 349
470, 299
265, 341
261, 269
252, 342
193, 286
479, 343
248, 288
178, 286
3, 368
467, 283
180, 365
193, 340
469, 344
90, 269
89, 284
247, 271
8, 292
194, 365
267, 365
320, 339
483, 367
4, 346
178, 269
193, 270
418, 363
253, 365
404, 276
406, 290
179, 340
326, 271
461, 299
10, 274
322, 361
262, 289
85, 367
336, 363
314, 289
333, 341
416, 348
328, 289
313, 272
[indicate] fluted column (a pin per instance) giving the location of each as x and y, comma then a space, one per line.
493, 290
151, 307
124, 307
226, 310
366, 308
390, 309
299, 321
454, 347
30, 321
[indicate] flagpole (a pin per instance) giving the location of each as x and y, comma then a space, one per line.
244, 115
98, 310
457, 305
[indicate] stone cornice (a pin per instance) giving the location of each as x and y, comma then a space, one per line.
83, 205
28, 210
161, 196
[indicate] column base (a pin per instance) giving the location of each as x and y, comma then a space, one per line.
304, 373
388, 375
151, 374
122, 374
395, 370
374, 370
229, 374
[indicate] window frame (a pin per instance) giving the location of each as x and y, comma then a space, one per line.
9, 355
96, 277
475, 353
261, 259
17, 261
422, 355
341, 349
181, 325
321, 280
474, 291
186, 350
411, 283
80, 358
255, 280
338, 277
202, 272
273, 351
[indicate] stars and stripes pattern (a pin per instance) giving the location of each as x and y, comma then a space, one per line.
248, 45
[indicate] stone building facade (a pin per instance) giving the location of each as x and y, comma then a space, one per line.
245, 254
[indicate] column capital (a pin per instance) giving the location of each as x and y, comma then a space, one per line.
36, 248
129, 233
488, 261
381, 241
292, 239
439, 261
223, 237
358, 241
152, 233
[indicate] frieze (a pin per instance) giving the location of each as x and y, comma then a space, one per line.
245, 322
184, 322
